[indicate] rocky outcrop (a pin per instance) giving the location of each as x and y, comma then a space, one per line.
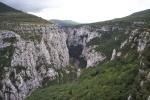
80, 35
113, 54
141, 38
148, 98
92, 57
34, 56
123, 44
129, 97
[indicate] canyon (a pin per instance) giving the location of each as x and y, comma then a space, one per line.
35, 52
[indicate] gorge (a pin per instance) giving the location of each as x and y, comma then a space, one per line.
99, 61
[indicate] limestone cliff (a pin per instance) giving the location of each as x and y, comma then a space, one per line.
30, 53
77, 39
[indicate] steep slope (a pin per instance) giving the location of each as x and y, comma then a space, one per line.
32, 50
116, 57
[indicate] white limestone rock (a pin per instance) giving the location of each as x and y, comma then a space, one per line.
141, 45
129, 97
148, 97
113, 54
106, 28
92, 57
141, 84
51, 73
78, 72
123, 44
80, 36
6, 35
118, 54
32, 61
148, 76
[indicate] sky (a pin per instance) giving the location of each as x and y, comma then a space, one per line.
84, 11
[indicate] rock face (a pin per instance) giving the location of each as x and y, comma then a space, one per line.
78, 37
92, 57
30, 59
141, 38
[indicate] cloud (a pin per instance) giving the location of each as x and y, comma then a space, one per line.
80, 10
94, 10
32, 5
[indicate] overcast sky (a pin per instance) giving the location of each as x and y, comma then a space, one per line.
85, 11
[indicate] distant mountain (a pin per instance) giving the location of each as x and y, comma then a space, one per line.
64, 22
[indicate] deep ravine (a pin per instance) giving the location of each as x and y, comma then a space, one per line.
107, 60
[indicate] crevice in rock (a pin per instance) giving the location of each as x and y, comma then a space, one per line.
75, 53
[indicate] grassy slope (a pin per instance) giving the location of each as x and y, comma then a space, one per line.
110, 81
20, 17
8, 14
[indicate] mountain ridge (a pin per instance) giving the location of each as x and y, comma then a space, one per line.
64, 23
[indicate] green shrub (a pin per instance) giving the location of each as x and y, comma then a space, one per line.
109, 81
